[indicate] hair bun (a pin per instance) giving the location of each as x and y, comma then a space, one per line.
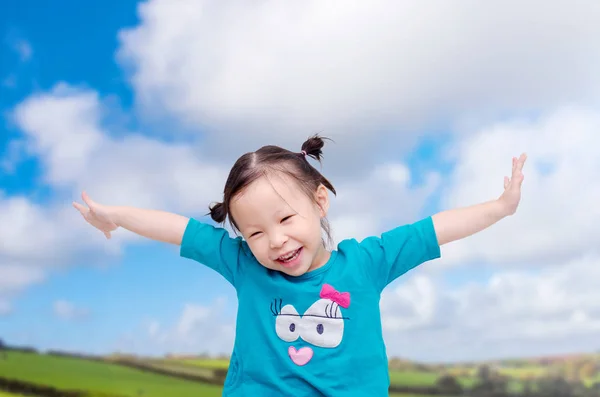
313, 147
218, 213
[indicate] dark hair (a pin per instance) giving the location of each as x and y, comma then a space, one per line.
253, 165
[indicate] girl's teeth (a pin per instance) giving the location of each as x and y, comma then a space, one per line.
289, 258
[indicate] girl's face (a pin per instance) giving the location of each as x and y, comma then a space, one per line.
281, 224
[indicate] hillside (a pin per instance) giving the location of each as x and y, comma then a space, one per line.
61, 374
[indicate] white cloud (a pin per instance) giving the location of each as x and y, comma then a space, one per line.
199, 328
25, 222
559, 215
521, 312
357, 67
380, 200
64, 129
276, 72
68, 310
14, 277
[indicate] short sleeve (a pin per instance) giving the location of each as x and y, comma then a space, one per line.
399, 250
212, 246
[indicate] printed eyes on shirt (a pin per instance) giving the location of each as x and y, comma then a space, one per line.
318, 326
286, 324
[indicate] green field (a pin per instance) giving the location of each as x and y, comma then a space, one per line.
109, 377
181, 367
115, 377
414, 395
422, 378
77, 374
208, 363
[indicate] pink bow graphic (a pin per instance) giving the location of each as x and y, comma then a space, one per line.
341, 298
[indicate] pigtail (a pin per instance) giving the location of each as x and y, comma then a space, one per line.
313, 147
218, 212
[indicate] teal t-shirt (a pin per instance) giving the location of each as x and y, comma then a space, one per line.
318, 334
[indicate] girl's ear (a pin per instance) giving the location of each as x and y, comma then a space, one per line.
322, 198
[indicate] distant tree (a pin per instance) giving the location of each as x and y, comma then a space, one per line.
220, 374
555, 387
489, 383
484, 373
527, 388
587, 370
447, 384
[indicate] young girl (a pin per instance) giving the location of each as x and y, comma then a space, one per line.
308, 320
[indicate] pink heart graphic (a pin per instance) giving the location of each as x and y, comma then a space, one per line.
302, 356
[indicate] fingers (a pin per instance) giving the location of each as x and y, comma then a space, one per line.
87, 199
517, 175
522, 160
517, 164
80, 208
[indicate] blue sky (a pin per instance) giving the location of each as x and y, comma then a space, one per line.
76, 44
200, 85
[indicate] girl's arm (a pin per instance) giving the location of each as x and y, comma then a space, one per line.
459, 223
152, 224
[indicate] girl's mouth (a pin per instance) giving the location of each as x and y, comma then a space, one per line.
291, 259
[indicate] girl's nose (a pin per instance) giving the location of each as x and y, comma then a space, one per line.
277, 240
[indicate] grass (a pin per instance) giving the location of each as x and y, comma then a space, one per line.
73, 373
181, 367
414, 395
113, 378
529, 371
106, 377
207, 363
413, 378
77, 374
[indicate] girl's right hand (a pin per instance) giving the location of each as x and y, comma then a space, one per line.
97, 215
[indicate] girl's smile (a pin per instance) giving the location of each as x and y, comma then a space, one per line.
291, 259
281, 224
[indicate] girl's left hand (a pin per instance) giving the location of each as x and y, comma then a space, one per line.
512, 186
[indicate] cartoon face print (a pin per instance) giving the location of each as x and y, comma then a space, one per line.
321, 325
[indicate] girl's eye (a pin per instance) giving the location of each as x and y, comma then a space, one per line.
286, 218
254, 234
